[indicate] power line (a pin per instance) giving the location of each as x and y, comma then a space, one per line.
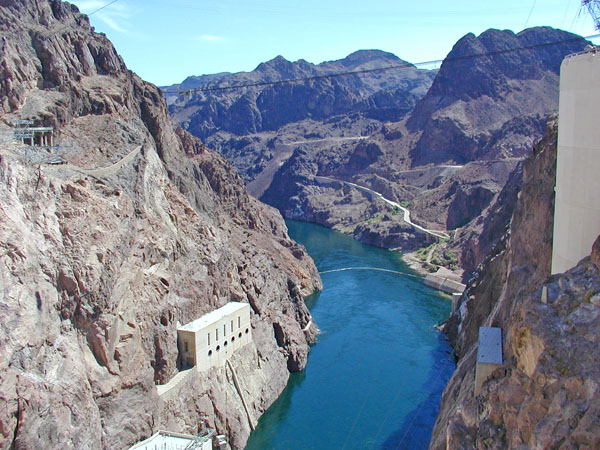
378, 69
102, 7
529, 15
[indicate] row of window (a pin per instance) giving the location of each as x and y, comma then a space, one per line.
224, 330
210, 352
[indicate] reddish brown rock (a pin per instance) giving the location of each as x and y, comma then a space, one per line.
138, 229
546, 394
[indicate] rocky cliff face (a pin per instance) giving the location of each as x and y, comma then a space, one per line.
546, 395
385, 95
489, 100
109, 241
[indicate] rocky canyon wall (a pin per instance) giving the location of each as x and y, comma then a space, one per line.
546, 394
110, 240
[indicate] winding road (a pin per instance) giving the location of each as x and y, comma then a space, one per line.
406, 212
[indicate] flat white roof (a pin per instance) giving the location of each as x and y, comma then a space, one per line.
168, 440
489, 350
213, 316
164, 440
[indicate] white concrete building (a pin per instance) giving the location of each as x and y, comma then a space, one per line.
577, 204
210, 340
166, 440
489, 355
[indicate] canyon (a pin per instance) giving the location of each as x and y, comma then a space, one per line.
128, 226
447, 156
462, 161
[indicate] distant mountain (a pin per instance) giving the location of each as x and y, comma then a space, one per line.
385, 88
491, 96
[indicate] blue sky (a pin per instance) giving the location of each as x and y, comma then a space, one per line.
165, 41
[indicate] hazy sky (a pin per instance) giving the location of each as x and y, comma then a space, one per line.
165, 41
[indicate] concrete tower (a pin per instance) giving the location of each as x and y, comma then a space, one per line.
577, 204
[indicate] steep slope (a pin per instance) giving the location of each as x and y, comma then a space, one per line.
138, 227
546, 395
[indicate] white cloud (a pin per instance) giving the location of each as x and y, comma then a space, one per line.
112, 23
115, 16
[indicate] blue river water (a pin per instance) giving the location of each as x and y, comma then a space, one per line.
374, 378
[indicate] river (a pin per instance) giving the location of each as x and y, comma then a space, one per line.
375, 377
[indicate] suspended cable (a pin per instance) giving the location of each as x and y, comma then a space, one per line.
344, 269
529, 15
416, 415
577, 15
102, 7
378, 69
563, 23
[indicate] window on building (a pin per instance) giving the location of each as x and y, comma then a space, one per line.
232, 326
208, 335
246, 330
210, 353
217, 334
225, 344
224, 330
185, 346
240, 334
239, 322
218, 347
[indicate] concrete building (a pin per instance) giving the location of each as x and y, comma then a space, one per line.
210, 340
577, 204
34, 136
166, 440
489, 355
444, 284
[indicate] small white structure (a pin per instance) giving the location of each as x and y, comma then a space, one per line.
444, 284
34, 136
210, 340
489, 354
221, 442
577, 204
166, 440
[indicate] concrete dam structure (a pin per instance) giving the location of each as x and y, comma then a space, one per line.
577, 204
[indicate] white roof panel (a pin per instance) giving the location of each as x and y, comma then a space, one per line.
213, 316
489, 350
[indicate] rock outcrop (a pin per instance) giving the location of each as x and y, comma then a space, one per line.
109, 241
491, 96
547, 393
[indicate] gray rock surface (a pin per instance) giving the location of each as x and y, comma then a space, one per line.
546, 395
140, 227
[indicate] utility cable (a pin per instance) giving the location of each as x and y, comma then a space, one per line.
529, 15
412, 422
577, 15
344, 269
565, 13
102, 7
377, 69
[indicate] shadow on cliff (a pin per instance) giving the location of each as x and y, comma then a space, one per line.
415, 432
